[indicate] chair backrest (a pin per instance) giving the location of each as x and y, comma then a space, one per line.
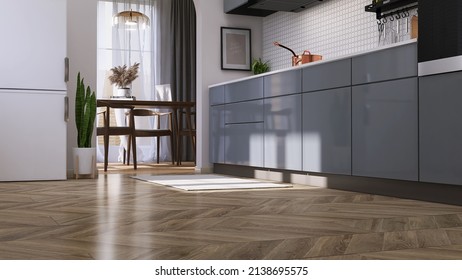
189, 123
163, 93
151, 113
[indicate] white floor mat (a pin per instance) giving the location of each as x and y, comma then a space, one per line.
201, 182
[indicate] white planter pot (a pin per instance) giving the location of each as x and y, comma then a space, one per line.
123, 92
85, 161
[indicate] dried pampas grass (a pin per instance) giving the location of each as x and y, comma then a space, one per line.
122, 77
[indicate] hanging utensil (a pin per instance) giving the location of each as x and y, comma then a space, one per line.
381, 28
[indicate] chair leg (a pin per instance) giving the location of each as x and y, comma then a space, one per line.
128, 149
106, 150
158, 149
180, 148
193, 141
134, 152
172, 149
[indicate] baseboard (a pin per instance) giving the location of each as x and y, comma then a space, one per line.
203, 170
440, 193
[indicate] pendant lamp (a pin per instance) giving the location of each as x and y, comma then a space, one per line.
131, 20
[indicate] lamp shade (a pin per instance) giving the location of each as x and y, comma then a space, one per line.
130, 20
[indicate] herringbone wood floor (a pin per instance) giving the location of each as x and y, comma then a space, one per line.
116, 217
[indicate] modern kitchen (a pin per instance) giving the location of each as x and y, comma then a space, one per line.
354, 108
376, 114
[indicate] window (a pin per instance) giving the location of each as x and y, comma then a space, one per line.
125, 46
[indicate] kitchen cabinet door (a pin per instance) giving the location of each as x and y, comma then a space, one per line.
385, 137
217, 95
244, 144
244, 112
327, 75
440, 103
217, 134
244, 90
283, 83
327, 131
389, 64
283, 132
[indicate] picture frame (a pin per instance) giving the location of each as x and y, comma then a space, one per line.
235, 49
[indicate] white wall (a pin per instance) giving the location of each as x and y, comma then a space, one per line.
82, 51
333, 28
210, 18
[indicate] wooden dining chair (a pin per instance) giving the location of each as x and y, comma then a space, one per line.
187, 121
107, 130
157, 131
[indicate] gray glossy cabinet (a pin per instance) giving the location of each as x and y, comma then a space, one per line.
283, 130
217, 134
242, 112
327, 131
217, 124
384, 134
244, 90
217, 95
354, 116
283, 83
327, 76
244, 144
440, 104
244, 133
393, 63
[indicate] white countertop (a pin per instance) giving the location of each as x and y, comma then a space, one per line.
319, 62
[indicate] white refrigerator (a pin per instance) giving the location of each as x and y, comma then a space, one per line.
34, 110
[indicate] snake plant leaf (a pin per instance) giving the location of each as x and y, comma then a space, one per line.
85, 113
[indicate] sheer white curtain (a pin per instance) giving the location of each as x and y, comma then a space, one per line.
126, 46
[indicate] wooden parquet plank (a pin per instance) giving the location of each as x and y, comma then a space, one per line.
117, 217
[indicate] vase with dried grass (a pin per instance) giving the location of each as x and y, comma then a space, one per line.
122, 77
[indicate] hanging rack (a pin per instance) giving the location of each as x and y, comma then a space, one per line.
397, 14
387, 8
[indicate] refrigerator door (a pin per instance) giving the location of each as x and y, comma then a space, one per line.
33, 45
33, 136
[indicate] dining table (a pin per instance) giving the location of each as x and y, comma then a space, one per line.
131, 103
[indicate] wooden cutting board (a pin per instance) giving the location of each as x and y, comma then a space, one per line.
414, 27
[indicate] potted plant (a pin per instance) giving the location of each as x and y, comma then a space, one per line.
122, 77
258, 66
85, 114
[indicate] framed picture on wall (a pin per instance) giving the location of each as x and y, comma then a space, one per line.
235, 49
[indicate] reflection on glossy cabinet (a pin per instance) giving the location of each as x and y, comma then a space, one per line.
244, 144
384, 121
283, 129
440, 105
217, 95
388, 64
217, 134
241, 112
327, 131
244, 90
283, 83
327, 75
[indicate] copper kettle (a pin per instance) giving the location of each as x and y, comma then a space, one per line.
303, 58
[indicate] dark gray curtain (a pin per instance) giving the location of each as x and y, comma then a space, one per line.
183, 47
178, 61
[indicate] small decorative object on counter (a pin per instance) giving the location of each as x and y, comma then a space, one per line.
122, 77
306, 57
259, 67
